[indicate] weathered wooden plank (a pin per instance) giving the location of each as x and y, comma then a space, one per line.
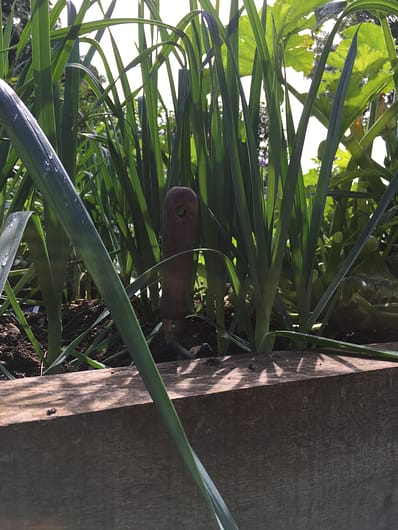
83, 392
298, 441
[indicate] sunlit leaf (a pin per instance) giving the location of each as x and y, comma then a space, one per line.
371, 73
298, 53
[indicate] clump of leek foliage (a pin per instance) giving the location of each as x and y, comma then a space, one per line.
222, 124
82, 187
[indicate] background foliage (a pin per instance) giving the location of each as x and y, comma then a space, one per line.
285, 235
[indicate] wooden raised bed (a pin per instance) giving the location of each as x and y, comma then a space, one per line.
298, 441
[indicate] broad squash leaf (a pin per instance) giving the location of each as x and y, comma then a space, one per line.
291, 16
372, 73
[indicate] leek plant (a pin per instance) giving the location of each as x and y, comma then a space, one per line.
263, 219
49, 247
282, 226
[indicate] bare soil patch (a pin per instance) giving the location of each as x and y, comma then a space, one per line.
19, 358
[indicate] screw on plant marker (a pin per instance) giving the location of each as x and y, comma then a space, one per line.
180, 220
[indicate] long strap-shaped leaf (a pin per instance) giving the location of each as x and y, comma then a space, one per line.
51, 178
339, 345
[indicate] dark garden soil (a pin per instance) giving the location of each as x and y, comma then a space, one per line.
199, 338
17, 354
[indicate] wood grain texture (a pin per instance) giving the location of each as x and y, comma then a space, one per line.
296, 441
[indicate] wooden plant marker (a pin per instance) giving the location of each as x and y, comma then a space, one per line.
180, 220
